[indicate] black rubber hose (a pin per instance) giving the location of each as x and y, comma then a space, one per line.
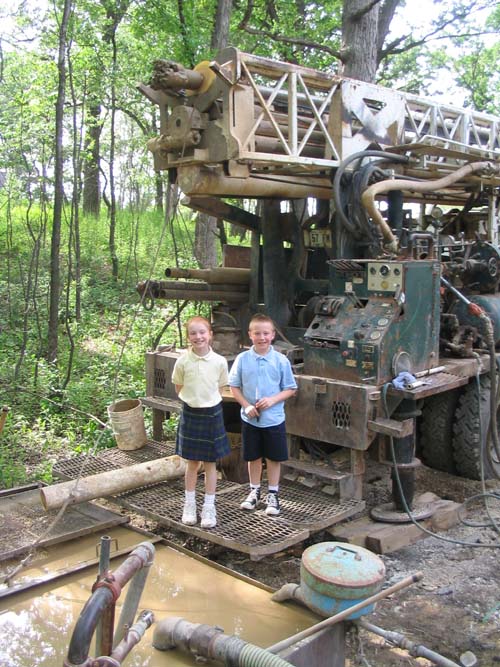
81, 638
390, 157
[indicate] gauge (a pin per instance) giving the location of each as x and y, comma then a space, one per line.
384, 270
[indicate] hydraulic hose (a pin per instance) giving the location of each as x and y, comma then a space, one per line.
368, 196
478, 312
389, 157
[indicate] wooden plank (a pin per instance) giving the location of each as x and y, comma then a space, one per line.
392, 537
432, 384
386, 537
398, 429
307, 468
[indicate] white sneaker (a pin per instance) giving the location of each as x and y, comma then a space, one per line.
189, 517
272, 504
252, 501
208, 516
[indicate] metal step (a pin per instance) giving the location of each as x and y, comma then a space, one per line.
304, 510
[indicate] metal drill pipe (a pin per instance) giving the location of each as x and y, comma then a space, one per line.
414, 649
228, 276
328, 622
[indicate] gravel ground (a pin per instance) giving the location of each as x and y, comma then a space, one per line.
454, 610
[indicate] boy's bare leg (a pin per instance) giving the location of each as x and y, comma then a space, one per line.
191, 474
273, 472
210, 477
255, 471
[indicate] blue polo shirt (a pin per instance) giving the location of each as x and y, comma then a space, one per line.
262, 375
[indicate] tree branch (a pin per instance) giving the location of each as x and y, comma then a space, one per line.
392, 49
365, 10
246, 16
292, 40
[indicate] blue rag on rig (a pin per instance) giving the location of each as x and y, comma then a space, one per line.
403, 380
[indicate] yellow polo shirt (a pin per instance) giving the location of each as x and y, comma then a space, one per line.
201, 378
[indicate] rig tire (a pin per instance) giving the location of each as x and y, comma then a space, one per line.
471, 418
436, 431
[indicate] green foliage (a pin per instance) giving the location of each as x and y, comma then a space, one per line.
478, 74
48, 418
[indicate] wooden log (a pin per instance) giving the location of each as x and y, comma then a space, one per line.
112, 482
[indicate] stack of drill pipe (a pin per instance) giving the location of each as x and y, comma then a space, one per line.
112, 482
266, 140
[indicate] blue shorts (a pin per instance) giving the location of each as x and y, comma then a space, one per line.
268, 442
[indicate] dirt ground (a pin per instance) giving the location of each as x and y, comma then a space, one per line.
454, 610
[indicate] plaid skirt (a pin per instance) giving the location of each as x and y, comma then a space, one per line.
201, 434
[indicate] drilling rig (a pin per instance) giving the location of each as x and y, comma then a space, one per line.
374, 248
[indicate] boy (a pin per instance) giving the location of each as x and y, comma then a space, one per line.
261, 380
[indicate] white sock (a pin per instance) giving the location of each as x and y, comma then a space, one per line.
209, 499
273, 489
190, 496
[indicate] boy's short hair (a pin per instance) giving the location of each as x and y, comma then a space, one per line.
198, 318
261, 318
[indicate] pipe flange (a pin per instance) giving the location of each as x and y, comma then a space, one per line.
201, 640
387, 513
111, 584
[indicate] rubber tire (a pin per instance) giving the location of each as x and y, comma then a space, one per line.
436, 431
466, 446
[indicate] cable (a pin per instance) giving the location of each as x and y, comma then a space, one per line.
403, 498
337, 198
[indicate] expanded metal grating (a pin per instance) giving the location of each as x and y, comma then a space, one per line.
341, 415
303, 509
160, 380
111, 459
23, 522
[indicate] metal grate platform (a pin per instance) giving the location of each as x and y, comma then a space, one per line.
303, 510
23, 521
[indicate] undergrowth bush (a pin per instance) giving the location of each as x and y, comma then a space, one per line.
50, 415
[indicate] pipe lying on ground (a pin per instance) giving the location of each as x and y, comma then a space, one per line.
112, 482
206, 641
404, 583
415, 650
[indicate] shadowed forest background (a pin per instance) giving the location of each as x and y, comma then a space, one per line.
84, 217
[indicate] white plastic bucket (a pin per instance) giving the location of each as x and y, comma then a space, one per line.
127, 420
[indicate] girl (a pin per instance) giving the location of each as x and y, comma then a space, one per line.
198, 376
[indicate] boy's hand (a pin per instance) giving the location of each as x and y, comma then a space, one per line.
251, 411
265, 403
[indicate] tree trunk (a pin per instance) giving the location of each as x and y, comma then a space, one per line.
221, 28
360, 39
205, 244
205, 240
91, 165
55, 279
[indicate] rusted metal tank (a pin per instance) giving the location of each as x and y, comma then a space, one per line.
335, 576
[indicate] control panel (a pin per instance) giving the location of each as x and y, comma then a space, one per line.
385, 276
